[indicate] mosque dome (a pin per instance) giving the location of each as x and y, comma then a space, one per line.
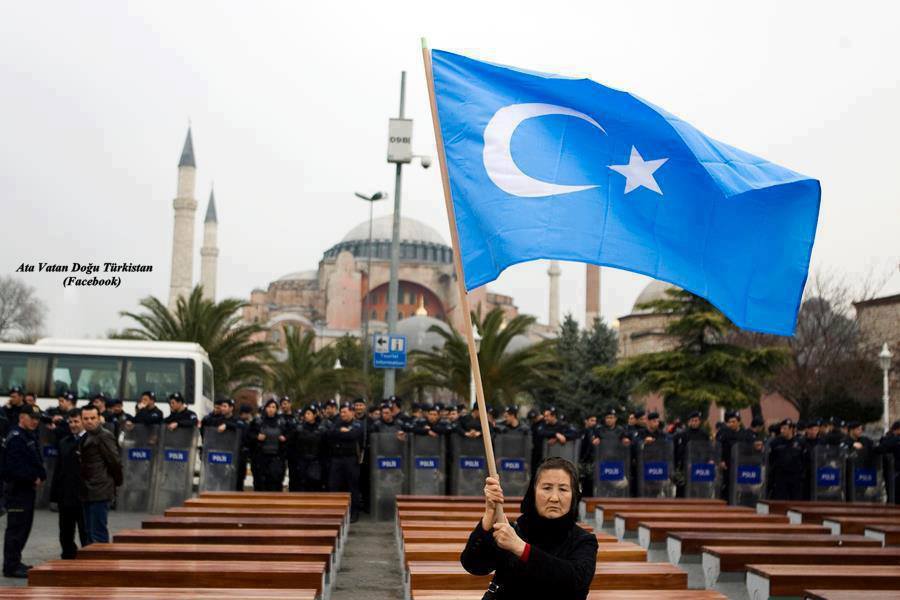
418, 337
300, 276
418, 242
655, 290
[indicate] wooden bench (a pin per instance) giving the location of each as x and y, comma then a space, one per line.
591, 504
888, 535
766, 580
180, 574
432, 536
849, 595
447, 515
136, 593
459, 525
798, 514
265, 503
442, 500
202, 511
592, 595
240, 522
730, 562
345, 496
609, 576
856, 524
685, 546
448, 552
781, 507
303, 537
626, 522
606, 513
650, 532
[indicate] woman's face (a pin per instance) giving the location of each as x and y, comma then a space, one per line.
553, 493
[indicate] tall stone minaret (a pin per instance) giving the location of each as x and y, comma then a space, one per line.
553, 317
209, 253
592, 298
183, 235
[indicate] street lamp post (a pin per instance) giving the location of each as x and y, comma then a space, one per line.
885, 359
472, 398
365, 333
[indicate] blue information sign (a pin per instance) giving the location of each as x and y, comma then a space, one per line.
219, 458
389, 462
703, 473
176, 455
388, 351
656, 471
749, 474
428, 462
471, 462
512, 464
140, 454
864, 478
828, 476
611, 470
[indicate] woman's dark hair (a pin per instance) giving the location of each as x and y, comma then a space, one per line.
554, 463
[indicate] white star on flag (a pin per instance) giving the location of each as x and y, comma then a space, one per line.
639, 172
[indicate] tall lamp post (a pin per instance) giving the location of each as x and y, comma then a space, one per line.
365, 333
884, 357
399, 153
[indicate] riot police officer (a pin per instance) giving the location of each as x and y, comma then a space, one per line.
147, 412
14, 406
786, 464
308, 440
431, 424
180, 416
512, 424
269, 434
56, 417
555, 431
388, 423
286, 411
22, 471
731, 434
344, 447
692, 433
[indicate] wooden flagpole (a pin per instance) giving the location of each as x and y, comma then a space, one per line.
460, 279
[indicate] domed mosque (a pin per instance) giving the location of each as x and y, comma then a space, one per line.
334, 299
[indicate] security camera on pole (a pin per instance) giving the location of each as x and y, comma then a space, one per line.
399, 153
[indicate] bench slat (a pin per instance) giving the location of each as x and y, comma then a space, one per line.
315, 537
135, 593
791, 580
240, 522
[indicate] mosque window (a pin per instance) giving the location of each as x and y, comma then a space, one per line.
374, 316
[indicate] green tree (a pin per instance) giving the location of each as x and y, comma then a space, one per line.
348, 350
237, 359
306, 374
505, 372
705, 366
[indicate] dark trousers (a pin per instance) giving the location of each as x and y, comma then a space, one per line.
309, 474
343, 476
71, 517
95, 519
268, 473
295, 476
787, 488
19, 518
243, 458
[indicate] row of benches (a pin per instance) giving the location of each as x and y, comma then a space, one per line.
775, 554
259, 546
432, 532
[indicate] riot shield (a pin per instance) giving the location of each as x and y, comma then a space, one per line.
140, 447
569, 450
612, 467
389, 458
469, 467
701, 472
655, 469
174, 468
828, 462
512, 452
865, 482
50, 453
428, 465
748, 475
219, 464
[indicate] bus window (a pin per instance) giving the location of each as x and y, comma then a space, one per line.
88, 375
208, 382
162, 376
27, 371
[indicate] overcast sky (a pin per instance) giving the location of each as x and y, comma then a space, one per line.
289, 104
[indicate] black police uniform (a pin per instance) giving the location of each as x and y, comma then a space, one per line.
728, 439
890, 445
290, 451
148, 415
786, 469
307, 475
64, 490
268, 454
184, 418
22, 466
344, 448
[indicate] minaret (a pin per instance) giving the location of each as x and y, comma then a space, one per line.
592, 298
183, 235
554, 272
209, 253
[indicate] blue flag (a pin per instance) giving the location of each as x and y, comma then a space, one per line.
543, 166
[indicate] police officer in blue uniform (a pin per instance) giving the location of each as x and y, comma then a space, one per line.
22, 471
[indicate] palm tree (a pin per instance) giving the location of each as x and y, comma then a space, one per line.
237, 359
505, 373
306, 374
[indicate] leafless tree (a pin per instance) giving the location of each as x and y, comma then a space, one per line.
21, 311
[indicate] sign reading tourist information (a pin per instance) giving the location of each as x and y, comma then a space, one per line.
388, 351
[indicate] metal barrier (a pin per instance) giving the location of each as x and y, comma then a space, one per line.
139, 448
427, 465
387, 471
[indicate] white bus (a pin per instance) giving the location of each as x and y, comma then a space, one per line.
118, 368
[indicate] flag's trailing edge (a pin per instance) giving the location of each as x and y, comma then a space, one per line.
542, 166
